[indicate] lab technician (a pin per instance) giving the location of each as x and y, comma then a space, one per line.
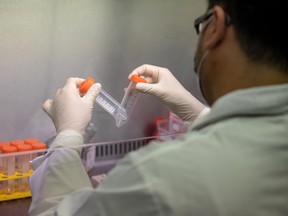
233, 161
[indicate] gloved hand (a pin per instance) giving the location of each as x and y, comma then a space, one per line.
68, 110
162, 84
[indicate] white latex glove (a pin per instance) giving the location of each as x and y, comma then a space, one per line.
162, 84
68, 110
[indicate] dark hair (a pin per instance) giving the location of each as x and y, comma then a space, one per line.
260, 27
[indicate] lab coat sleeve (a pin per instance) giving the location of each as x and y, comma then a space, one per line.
140, 184
61, 172
125, 191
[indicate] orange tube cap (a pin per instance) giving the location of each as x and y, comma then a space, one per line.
86, 84
137, 79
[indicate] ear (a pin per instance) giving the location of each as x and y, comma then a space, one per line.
216, 29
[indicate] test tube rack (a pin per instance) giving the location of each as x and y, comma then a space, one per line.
17, 194
19, 181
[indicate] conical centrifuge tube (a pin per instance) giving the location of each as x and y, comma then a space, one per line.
105, 101
130, 98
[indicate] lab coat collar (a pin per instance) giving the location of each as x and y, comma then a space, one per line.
256, 101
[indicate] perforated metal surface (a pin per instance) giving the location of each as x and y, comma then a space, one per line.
101, 157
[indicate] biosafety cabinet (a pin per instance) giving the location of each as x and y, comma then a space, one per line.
43, 43
97, 158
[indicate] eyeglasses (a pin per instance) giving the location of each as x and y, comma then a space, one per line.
199, 22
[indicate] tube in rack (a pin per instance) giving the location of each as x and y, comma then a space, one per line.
9, 163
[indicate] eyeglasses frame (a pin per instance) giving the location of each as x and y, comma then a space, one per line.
198, 21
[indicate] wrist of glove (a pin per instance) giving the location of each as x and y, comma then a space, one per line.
185, 105
68, 139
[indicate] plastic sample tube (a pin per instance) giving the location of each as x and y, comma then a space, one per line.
9, 161
2, 144
23, 166
9, 168
130, 98
105, 101
31, 140
16, 142
36, 147
23, 160
111, 106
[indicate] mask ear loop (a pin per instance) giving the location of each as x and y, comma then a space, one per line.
202, 60
199, 69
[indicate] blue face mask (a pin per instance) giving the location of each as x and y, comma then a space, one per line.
198, 69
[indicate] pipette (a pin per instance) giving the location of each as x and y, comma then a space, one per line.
130, 98
105, 101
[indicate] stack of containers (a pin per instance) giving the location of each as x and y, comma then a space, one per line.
15, 167
170, 128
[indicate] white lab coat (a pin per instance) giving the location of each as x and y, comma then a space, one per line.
232, 162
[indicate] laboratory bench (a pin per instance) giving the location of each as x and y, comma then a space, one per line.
18, 207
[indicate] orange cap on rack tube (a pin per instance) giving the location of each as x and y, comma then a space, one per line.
2, 144
9, 149
24, 147
16, 142
31, 140
137, 79
38, 146
86, 84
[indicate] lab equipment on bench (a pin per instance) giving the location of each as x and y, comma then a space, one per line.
15, 156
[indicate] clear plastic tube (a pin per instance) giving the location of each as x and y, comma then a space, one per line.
107, 102
130, 98
2, 144
111, 106
23, 163
36, 147
23, 166
9, 163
